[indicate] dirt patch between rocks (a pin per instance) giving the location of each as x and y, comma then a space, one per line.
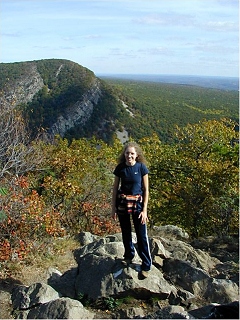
28, 275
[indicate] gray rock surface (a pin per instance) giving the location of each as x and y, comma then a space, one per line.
181, 276
62, 308
27, 297
79, 113
170, 232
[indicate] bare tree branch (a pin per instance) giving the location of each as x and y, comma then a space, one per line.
18, 154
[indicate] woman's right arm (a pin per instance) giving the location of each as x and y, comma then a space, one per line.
114, 197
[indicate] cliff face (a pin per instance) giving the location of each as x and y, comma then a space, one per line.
56, 95
23, 88
79, 113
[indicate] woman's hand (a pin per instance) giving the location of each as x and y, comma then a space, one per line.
114, 197
143, 216
114, 215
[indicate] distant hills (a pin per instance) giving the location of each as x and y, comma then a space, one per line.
222, 83
59, 96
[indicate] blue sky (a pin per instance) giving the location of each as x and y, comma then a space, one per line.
185, 37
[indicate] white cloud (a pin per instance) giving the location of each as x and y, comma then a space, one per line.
220, 26
11, 35
156, 51
166, 19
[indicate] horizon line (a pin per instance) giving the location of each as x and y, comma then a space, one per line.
164, 74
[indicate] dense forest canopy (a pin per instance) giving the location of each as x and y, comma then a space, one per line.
159, 107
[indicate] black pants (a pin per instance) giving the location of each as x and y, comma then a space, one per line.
142, 239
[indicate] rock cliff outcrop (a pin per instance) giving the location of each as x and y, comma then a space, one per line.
184, 281
24, 88
79, 113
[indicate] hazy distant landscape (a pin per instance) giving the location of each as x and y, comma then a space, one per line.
222, 83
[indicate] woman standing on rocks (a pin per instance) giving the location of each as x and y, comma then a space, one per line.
130, 199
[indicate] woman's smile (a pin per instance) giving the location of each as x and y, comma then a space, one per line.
130, 156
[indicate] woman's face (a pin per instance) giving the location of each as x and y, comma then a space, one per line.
130, 156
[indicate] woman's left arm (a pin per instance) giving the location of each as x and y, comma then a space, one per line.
143, 215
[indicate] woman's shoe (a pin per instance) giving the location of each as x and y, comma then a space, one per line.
144, 274
126, 262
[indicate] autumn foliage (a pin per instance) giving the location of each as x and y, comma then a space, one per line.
25, 219
193, 184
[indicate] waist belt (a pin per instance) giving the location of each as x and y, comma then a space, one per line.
128, 203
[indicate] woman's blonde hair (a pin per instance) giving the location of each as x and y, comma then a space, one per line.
140, 156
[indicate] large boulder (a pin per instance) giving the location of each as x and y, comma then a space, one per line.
41, 301
108, 246
86, 238
170, 312
183, 251
217, 311
100, 263
130, 313
24, 297
221, 291
63, 283
197, 281
62, 308
170, 232
186, 276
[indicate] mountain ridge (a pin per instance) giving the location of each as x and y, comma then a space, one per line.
54, 94
59, 96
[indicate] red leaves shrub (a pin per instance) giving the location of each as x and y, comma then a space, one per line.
25, 220
102, 226
98, 219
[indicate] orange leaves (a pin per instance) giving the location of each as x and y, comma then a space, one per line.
22, 182
87, 207
10, 251
51, 221
5, 250
104, 225
99, 224
27, 219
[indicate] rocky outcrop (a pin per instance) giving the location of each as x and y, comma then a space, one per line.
77, 114
181, 278
25, 88
111, 279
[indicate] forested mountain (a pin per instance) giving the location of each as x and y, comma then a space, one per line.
62, 97
59, 97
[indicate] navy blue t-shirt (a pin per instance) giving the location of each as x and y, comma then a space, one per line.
131, 177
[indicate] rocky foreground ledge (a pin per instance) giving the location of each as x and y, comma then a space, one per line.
187, 282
